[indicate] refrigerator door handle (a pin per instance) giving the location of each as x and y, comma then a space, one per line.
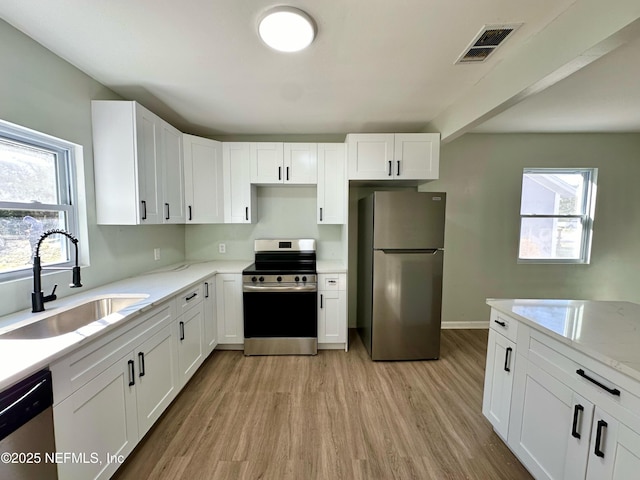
432, 251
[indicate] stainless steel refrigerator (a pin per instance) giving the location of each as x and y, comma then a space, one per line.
400, 258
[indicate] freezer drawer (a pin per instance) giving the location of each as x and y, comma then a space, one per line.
407, 304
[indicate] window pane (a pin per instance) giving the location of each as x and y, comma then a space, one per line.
27, 174
552, 194
19, 234
548, 238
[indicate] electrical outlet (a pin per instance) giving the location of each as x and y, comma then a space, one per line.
156, 254
222, 248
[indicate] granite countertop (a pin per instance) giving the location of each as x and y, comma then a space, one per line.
608, 331
20, 358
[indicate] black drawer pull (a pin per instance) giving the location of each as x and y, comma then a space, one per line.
141, 363
191, 297
206, 289
601, 425
612, 391
502, 324
507, 356
132, 373
576, 413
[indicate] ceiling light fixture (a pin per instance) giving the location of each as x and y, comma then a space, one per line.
287, 29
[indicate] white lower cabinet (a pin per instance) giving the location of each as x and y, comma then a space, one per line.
498, 382
229, 308
190, 341
210, 317
332, 309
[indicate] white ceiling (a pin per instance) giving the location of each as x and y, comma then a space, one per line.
375, 66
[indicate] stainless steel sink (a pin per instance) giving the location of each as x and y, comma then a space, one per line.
72, 319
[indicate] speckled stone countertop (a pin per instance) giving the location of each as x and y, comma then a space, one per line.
608, 331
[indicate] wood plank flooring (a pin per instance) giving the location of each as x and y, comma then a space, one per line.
334, 416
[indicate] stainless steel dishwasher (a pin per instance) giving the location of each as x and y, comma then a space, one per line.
27, 444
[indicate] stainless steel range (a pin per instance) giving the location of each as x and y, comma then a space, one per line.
280, 297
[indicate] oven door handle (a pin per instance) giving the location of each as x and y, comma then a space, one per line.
280, 288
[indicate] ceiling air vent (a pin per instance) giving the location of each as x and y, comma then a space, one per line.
485, 42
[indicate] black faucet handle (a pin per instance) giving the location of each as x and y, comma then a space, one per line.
50, 298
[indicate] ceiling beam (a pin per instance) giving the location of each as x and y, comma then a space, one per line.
584, 32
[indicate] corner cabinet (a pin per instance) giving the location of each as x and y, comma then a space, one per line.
240, 205
394, 156
203, 180
567, 416
332, 184
138, 165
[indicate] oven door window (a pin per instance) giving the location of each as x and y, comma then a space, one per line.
280, 314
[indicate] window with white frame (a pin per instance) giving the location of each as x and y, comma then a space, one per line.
556, 215
37, 193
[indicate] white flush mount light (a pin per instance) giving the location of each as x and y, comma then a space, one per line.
287, 29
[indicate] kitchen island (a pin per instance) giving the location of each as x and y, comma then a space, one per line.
562, 385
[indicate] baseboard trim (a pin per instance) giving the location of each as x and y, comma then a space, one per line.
465, 325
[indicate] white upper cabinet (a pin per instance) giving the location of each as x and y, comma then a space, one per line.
138, 165
204, 180
278, 163
399, 156
239, 195
332, 186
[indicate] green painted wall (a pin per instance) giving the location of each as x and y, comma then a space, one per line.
482, 175
41, 91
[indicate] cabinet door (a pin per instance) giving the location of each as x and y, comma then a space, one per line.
83, 426
156, 382
300, 163
332, 186
615, 449
230, 312
332, 322
496, 402
417, 156
238, 199
190, 336
540, 432
266, 162
210, 316
203, 177
371, 156
149, 166
173, 174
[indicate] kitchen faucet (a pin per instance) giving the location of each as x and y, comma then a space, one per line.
37, 298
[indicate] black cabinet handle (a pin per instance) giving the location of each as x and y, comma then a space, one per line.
601, 426
181, 331
507, 356
191, 297
321, 301
141, 363
246, 212
132, 374
576, 413
190, 215
502, 324
166, 206
390, 166
320, 213
144, 209
398, 171
206, 289
287, 174
279, 173
612, 391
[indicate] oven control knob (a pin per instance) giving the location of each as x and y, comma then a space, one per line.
297, 279
254, 279
304, 279
261, 279
279, 279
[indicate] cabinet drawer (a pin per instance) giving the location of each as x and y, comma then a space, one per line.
504, 325
332, 282
72, 372
189, 298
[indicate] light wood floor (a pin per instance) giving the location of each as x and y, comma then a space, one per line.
334, 416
